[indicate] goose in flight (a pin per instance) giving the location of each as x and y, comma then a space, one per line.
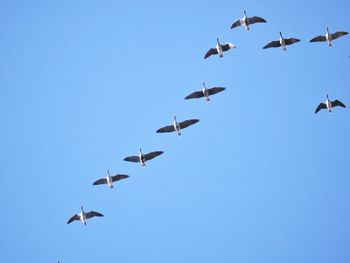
329, 104
329, 37
177, 126
204, 93
282, 42
219, 49
82, 216
142, 158
246, 21
110, 179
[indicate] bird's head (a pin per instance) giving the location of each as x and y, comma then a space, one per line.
217, 40
280, 34
245, 13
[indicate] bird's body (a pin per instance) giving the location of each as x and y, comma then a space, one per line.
205, 92
219, 49
282, 42
109, 179
246, 21
329, 37
329, 104
82, 216
177, 126
142, 158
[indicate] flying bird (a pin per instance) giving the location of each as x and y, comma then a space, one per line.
177, 126
329, 104
110, 179
204, 93
329, 37
82, 216
142, 158
219, 49
282, 42
246, 21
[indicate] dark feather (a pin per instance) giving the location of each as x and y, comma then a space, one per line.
210, 52
119, 177
195, 95
73, 218
320, 107
134, 159
92, 214
169, 128
339, 34
215, 90
290, 41
338, 103
318, 39
151, 155
100, 181
273, 44
187, 123
256, 19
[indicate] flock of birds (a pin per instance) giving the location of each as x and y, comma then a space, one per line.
206, 93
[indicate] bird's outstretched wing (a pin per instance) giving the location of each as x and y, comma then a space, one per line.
339, 34
210, 52
256, 19
227, 46
134, 159
119, 177
215, 90
92, 214
338, 103
320, 107
195, 95
318, 39
273, 44
169, 128
151, 155
290, 41
73, 218
187, 123
100, 181
237, 23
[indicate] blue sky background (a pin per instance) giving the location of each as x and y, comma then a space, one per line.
260, 178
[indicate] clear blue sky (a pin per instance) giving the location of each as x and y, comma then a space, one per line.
260, 178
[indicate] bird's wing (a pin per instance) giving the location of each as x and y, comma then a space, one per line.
151, 155
215, 90
339, 34
187, 123
210, 52
195, 95
169, 128
119, 177
256, 19
273, 44
73, 218
237, 23
338, 103
134, 159
92, 214
290, 41
318, 39
227, 46
100, 181
320, 107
